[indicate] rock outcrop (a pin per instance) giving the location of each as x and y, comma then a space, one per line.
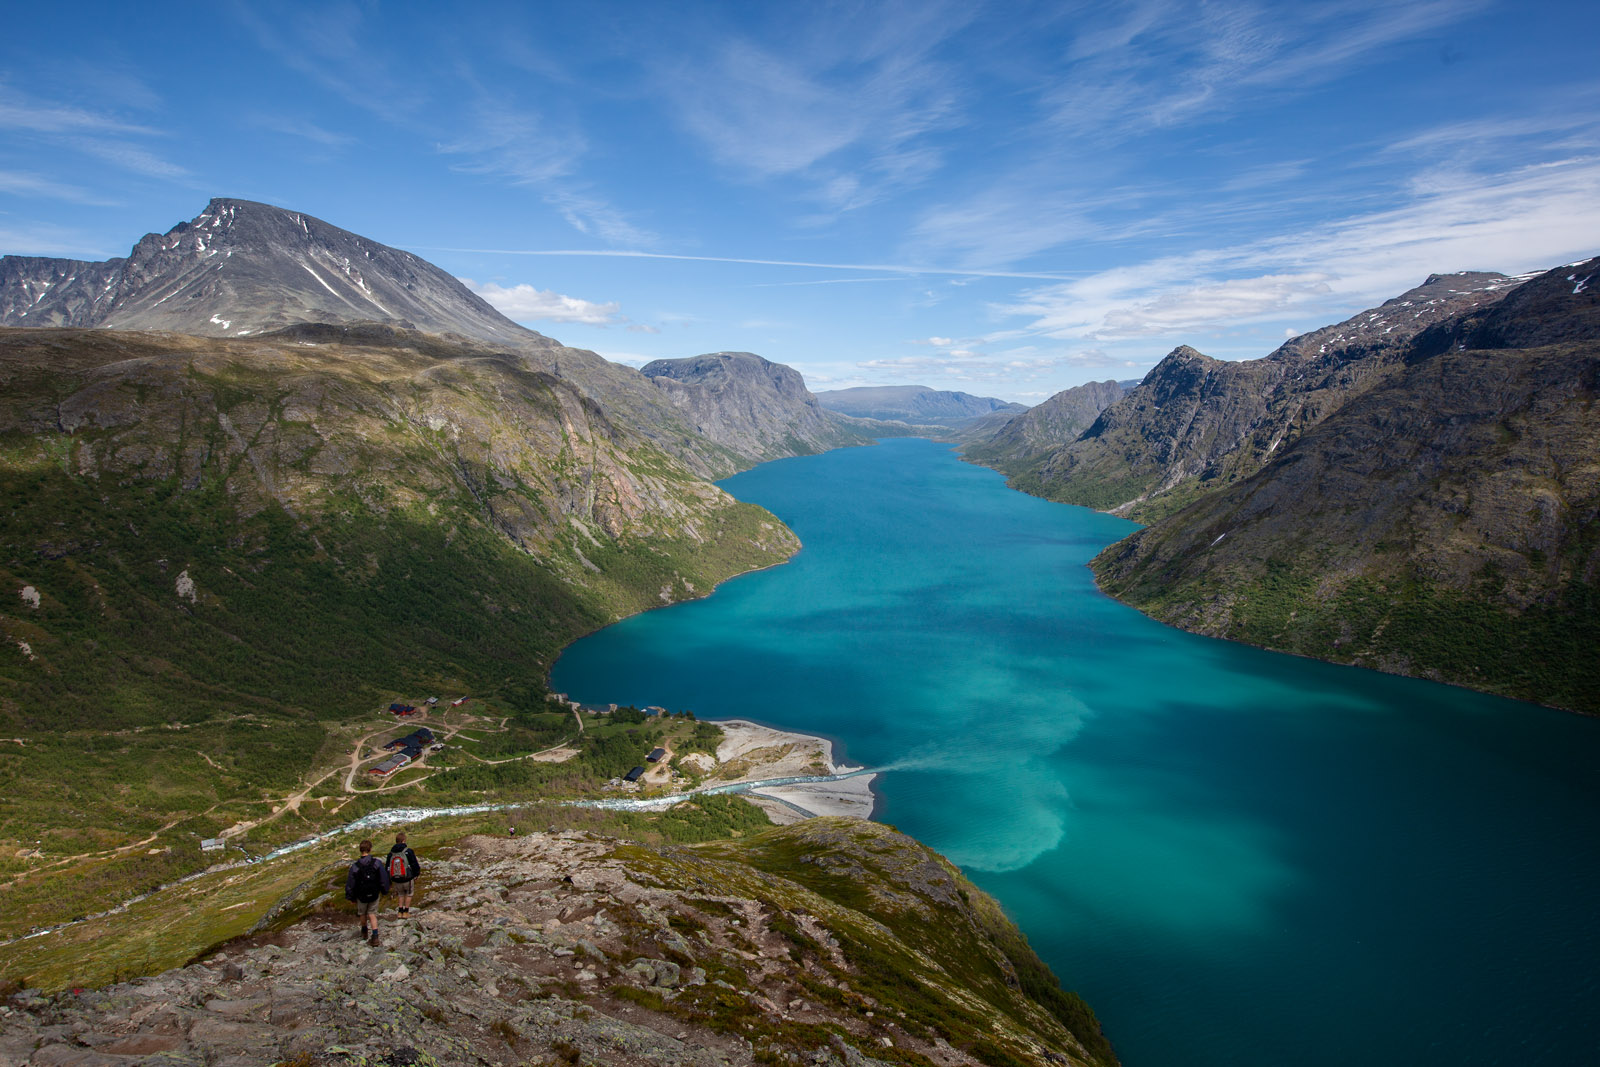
834, 943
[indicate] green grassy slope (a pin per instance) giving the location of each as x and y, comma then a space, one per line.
219, 560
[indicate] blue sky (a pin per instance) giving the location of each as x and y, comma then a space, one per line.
1007, 199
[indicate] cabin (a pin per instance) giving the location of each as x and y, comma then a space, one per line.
431, 701
390, 765
456, 703
633, 775
402, 709
656, 754
211, 844
411, 745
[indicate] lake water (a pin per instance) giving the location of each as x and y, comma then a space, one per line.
1236, 857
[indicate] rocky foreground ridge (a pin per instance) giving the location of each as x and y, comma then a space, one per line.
835, 943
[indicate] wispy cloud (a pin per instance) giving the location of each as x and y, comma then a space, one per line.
827, 281
333, 46
129, 157
19, 184
844, 104
47, 240
1180, 62
514, 143
21, 112
1516, 221
905, 269
101, 135
309, 131
527, 304
1013, 366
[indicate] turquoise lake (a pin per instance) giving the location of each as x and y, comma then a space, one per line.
1236, 857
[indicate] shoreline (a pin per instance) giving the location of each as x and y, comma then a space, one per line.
850, 797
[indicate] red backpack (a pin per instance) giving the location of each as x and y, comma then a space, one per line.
398, 871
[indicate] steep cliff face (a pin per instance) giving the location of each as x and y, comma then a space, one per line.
1195, 423
1016, 446
1444, 522
834, 942
756, 408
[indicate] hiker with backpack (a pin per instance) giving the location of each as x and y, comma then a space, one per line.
366, 883
403, 870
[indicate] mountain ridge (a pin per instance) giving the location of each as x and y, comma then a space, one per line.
1195, 421
243, 268
1443, 522
913, 404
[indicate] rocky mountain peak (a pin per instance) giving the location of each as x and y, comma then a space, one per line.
242, 267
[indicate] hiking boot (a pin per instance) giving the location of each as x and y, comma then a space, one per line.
374, 940
361, 933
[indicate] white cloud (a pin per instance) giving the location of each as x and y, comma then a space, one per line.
525, 303
309, 131
86, 132
129, 157
1172, 63
515, 144
19, 184
1516, 221
843, 103
18, 112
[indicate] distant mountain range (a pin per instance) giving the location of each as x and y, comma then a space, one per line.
1414, 489
914, 404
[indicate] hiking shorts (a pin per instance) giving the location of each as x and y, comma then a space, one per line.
368, 907
403, 889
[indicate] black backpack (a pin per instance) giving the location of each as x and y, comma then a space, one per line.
369, 880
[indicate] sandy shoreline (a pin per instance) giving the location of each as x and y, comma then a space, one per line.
752, 752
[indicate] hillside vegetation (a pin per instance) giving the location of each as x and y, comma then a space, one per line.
220, 558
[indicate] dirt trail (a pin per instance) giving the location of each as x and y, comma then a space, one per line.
293, 801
